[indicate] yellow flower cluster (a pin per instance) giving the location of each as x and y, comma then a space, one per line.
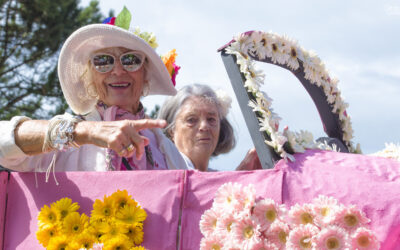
116, 222
149, 37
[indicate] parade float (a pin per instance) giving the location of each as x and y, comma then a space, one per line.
321, 194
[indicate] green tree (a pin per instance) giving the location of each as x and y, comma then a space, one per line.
31, 35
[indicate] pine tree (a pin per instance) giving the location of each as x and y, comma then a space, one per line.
31, 35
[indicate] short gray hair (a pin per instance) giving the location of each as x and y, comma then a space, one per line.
173, 104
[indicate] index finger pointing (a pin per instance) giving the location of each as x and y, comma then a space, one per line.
148, 123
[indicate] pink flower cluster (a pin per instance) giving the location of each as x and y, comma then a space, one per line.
237, 220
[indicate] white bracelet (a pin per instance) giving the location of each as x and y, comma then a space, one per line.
59, 134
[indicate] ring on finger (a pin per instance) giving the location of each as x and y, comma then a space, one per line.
130, 147
122, 152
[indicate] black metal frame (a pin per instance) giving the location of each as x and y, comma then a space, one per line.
266, 153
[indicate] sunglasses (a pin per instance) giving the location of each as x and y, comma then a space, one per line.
130, 61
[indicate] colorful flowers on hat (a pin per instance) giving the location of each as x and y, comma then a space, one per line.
269, 225
109, 20
116, 222
123, 20
169, 61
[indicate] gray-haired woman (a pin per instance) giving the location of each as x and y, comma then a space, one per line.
198, 126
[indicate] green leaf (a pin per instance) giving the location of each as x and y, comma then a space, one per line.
123, 19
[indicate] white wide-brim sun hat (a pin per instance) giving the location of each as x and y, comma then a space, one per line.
77, 50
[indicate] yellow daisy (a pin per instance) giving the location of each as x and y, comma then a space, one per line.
138, 248
74, 223
59, 243
130, 214
95, 229
65, 207
121, 198
47, 216
45, 234
120, 242
84, 240
135, 233
102, 210
112, 230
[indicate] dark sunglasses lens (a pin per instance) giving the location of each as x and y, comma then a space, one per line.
131, 62
103, 63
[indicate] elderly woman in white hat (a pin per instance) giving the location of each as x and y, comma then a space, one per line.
104, 70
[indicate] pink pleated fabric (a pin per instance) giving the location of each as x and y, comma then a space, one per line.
370, 183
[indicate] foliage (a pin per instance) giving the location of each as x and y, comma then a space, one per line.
31, 35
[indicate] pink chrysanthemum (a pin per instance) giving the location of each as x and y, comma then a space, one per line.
208, 221
266, 212
364, 239
225, 223
230, 244
332, 237
325, 209
212, 242
350, 218
228, 198
246, 233
264, 244
301, 237
248, 196
302, 214
278, 233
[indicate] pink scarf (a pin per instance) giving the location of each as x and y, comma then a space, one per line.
113, 160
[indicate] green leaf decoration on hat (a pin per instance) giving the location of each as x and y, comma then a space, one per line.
123, 19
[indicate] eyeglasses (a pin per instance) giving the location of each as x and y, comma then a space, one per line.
130, 61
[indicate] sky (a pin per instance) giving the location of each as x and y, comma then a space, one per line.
359, 42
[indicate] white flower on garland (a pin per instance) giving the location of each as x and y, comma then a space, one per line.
391, 151
284, 51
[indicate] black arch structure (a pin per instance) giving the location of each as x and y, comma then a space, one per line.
267, 155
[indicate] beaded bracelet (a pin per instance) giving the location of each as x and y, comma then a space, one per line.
59, 134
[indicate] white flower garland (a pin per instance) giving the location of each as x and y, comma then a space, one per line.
284, 51
391, 151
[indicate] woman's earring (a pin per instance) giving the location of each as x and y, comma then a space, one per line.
146, 89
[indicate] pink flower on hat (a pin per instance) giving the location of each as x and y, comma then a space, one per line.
174, 73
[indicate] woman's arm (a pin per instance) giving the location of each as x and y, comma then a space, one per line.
29, 136
250, 161
116, 135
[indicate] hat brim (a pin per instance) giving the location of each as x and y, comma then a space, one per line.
77, 50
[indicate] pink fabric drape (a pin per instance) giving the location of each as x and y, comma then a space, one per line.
370, 183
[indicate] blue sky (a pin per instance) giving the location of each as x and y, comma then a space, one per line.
359, 42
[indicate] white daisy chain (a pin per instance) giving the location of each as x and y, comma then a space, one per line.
285, 51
